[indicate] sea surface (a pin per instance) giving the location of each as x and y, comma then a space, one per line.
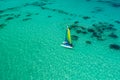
31, 32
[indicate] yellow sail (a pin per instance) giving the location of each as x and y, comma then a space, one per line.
68, 35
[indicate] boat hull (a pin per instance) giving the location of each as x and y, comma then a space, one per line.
66, 46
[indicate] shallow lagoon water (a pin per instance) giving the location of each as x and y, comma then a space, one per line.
31, 33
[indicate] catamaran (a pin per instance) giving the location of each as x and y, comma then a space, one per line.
67, 43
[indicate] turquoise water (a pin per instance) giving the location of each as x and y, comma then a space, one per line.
31, 32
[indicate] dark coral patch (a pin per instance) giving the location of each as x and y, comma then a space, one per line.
84, 32
95, 34
62, 12
88, 0
117, 21
94, 25
49, 16
116, 5
112, 35
42, 8
78, 31
54, 10
2, 26
88, 42
100, 38
36, 13
110, 25
9, 18
17, 15
74, 37
90, 30
83, 28
12, 8
26, 19
28, 15
114, 46
1, 11
76, 22
98, 31
73, 26
86, 17
38, 3
97, 9
104, 26
111, 3
111, 28
5, 15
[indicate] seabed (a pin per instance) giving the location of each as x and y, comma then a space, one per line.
31, 32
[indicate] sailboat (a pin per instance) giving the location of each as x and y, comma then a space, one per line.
67, 43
